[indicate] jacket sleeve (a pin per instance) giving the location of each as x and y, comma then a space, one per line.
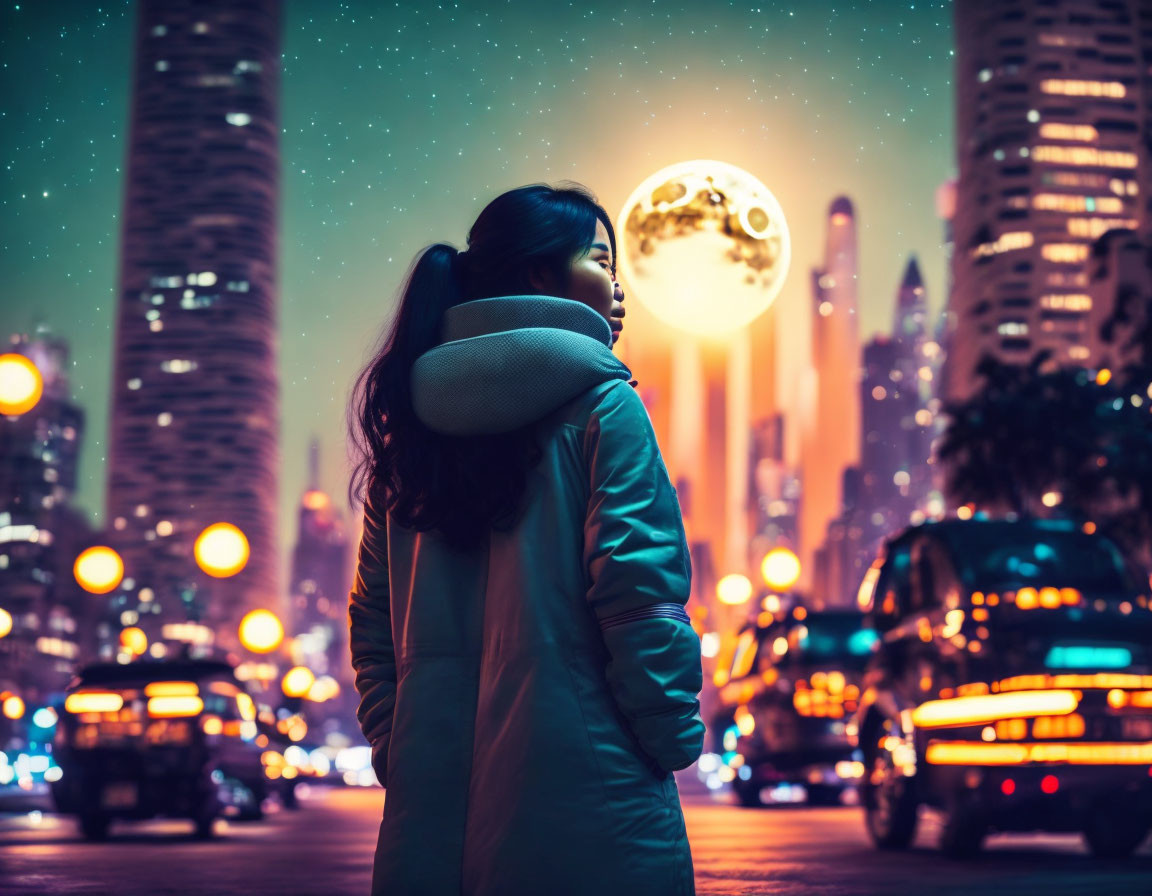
637, 560
370, 639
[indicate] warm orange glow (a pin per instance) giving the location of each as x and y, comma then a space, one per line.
12, 707
800, 614
734, 589
1054, 130
297, 681
1050, 598
212, 725
990, 707
1076, 87
315, 500
21, 385
1011, 729
971, 753
261, 631
5, 622
93, 701
1059, 726
221, 550
1066, 301
780, 569
720, 677
1084, 155
1070, 597
1064, 253
1101, 680
134, 640
1027, 598
246, 706
174, 707
98, 570
171, 689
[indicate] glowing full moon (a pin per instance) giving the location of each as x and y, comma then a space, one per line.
705, 246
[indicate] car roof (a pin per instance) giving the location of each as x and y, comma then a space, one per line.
145, 671
953, 530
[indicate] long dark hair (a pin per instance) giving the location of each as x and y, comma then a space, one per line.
461, 486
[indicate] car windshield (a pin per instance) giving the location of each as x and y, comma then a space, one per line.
838, 638
1010, 557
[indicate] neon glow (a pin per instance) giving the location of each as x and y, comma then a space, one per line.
969, 753
1087, 656
174, 707
93, 701
989, 708
171, 689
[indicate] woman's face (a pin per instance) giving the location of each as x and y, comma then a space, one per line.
592, 283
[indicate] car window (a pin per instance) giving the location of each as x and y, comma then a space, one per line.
894, 590
1011, 557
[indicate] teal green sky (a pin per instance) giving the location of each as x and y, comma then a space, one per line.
401, 121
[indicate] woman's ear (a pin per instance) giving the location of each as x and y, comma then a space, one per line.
542, 281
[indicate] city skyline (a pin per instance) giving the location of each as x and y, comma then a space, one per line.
784, 96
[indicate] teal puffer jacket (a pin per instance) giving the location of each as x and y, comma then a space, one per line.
526, 703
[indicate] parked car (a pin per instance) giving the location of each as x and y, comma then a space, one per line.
1012, 688
173, 738
793, 686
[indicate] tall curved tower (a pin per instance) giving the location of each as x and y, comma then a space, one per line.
831, 441
195, 405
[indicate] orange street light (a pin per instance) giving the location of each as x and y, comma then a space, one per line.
5, 622
98, 569
134, 640
21, 385
734, 589
13, 707
221, 550
780, 569
297, 681
261, 631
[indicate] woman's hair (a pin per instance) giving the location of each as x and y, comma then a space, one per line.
462, 486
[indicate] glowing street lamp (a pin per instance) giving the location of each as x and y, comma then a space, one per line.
98, 569
221, 550
21, 385
734, 589
261, 631
134, 640
12, 707
5, 622
780, 569
297, 681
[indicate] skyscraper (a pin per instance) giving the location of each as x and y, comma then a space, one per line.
1051, 118
195, 417
41, 534
831, 436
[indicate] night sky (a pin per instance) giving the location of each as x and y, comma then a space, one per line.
400, 122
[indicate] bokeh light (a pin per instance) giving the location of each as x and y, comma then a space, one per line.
21, 385
98, 569
261, 631
222, 550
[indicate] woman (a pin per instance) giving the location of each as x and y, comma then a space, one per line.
527, 672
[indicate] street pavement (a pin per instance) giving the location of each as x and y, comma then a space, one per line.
325, 849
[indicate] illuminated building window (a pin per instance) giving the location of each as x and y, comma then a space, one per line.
141, 510
1061, 131
1073, 87
1123, 187
156, 326
1065, 202
238, 286
1082, 180
1013, 328
1091, 228
178, 365
157, 299
1054, 39
825, 309
164, 528
1078, 352
1067, 302
1006, 242
159, 30
200, 28
1033, 116
134, 383
239, 119
247, 65
998, 155
152, 315
879, 393
984, 76
1085, 155
161, 65
1065, 253
164, 419
216, 81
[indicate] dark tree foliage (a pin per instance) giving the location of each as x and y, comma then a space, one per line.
1033, 429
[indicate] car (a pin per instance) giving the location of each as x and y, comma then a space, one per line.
792, 688
1012, 686
174, 738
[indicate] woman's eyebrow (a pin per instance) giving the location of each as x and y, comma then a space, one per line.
599, 246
